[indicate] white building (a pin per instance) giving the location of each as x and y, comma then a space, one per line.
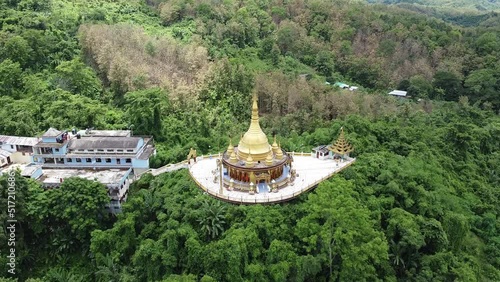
399, 93
110, 157
20, 148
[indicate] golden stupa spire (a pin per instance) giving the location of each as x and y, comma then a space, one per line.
255, 109
232, 158
249, 162
341, 146
230, 148
269, 159
275, 145
279, 154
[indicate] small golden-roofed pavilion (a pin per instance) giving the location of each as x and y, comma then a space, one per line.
254, 159
341, 147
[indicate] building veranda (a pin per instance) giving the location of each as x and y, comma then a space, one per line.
256, 172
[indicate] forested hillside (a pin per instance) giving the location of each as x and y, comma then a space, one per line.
463, 5
421, 203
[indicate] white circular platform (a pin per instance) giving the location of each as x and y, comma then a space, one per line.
310, 172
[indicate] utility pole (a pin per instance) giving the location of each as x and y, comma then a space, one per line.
220, 168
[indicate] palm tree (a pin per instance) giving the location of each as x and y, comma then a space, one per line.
60, 274
212, 218
109, 271
397, 252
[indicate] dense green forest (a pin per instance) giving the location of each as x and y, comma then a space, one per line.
421, 203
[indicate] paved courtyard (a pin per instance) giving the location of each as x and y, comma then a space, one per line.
310, 172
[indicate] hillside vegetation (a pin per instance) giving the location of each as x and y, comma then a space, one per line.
462, 5
420, 204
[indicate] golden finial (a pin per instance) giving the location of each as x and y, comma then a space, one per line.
255, 108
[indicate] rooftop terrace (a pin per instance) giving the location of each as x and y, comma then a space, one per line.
109, 176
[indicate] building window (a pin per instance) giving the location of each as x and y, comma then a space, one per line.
90, 150
81, 150
12, 146
100, 150
119, 150
108, 160
128, 160
111, 150
98, 160
69, 160
78, 160
57, 150
130, 151
89, 160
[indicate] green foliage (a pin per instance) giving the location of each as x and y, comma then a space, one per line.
10, 79
75, 77
143, 110
420, 204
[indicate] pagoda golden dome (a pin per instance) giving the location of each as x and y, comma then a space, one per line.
254, 140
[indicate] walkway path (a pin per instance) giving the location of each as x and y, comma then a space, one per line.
310, 172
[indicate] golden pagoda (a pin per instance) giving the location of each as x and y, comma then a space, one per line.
341, 146
254, 139
254, 158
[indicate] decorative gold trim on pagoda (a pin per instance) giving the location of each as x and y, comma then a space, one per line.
341, 146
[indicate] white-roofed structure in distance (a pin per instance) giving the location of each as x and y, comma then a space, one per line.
399, 93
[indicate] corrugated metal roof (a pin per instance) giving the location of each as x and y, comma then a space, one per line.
104, 143
105, 133
18, 140
4, 154
52, 132
398, 93
322, 148
146, 153
341, 85
49, 145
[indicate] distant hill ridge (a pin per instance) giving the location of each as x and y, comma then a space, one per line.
461, 5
